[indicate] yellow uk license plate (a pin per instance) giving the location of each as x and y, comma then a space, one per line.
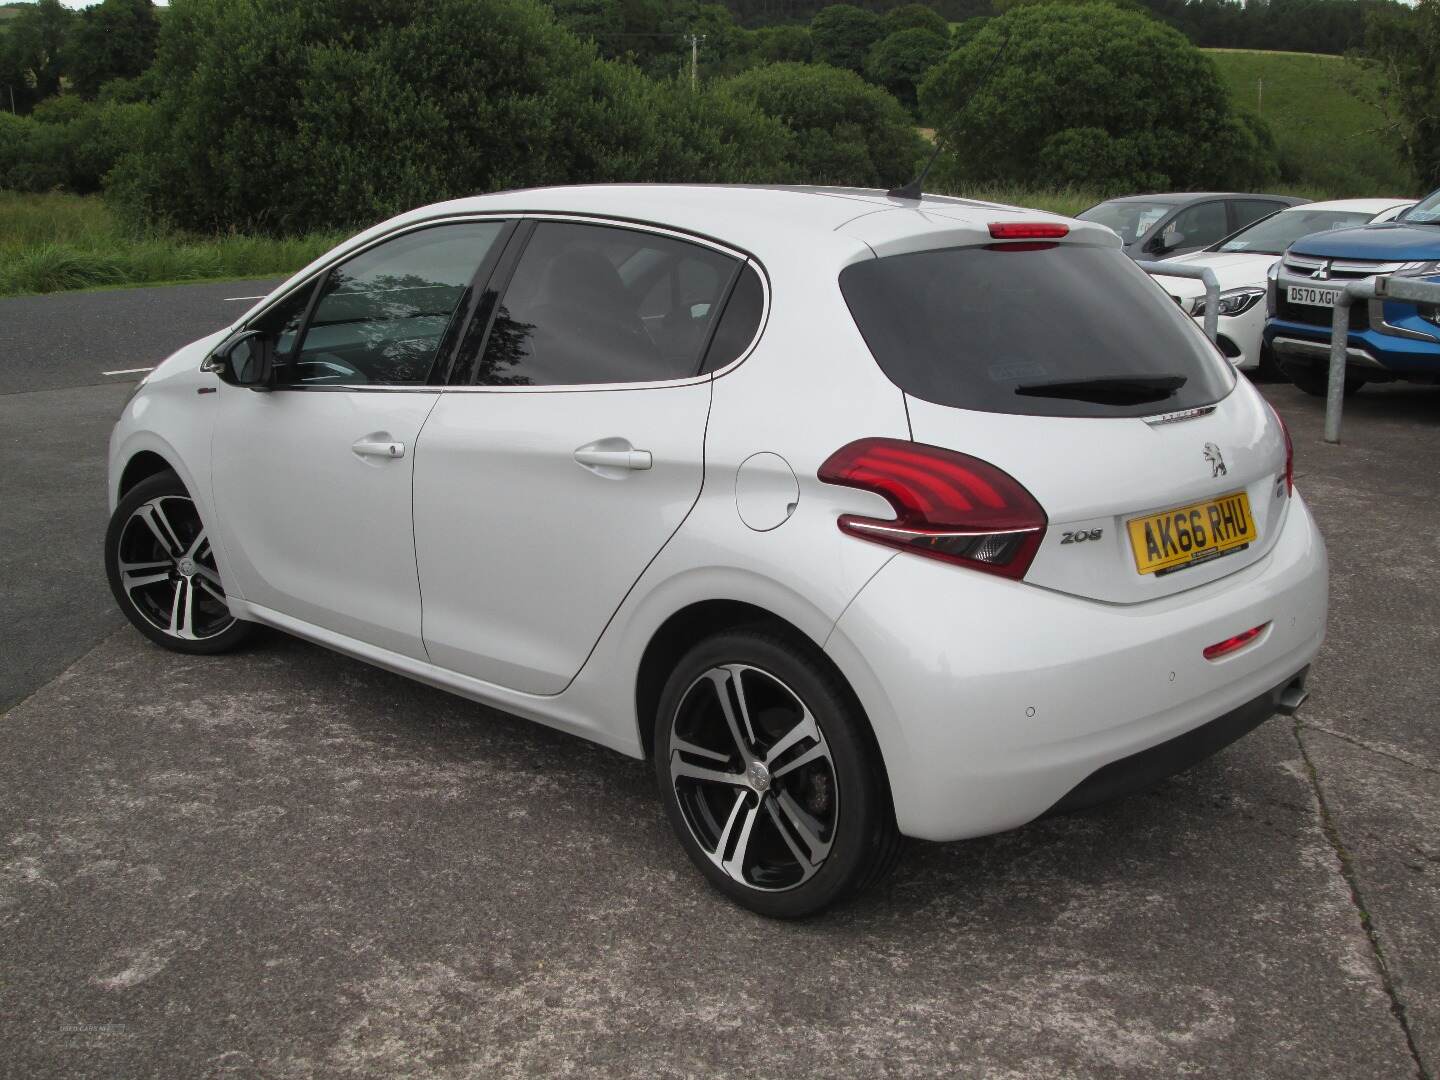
1191, 534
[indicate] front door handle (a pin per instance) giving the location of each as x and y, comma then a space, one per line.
370, 446
593, 457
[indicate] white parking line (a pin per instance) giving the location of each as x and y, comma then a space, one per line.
262, 297
129, 370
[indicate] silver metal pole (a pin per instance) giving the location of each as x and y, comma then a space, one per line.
1212, 303
1339, 342
1202, 274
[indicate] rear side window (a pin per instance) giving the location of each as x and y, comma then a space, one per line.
1248, 210
1067, 330
600, 304
738, 323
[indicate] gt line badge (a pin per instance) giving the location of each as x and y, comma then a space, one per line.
1215, 459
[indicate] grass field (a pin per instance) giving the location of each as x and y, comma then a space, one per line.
1326, 132
49, 243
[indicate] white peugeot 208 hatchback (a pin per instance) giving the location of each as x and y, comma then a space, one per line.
862, 517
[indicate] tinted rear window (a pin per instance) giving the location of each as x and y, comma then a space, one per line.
983, 328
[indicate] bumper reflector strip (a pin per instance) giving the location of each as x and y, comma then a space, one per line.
1230, 644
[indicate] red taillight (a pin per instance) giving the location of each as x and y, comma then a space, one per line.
1027, 230
948, 505
1230, 644
1289, 455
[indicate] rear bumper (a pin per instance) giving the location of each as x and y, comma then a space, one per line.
1148, 767
993, 700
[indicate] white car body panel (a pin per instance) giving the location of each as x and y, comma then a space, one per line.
328, 545
505, 515
1238, 269
584, 570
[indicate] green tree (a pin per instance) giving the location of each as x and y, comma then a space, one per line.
845, 130
915, 17
1087, 93
900, 61
1404, 44
278, 117
774, 44
843, 34
32, 50
114, 39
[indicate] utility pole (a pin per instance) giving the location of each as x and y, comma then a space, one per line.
695, 59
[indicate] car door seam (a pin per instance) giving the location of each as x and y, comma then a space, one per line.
414, 539
699, 493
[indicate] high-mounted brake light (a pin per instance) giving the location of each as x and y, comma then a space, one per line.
948, 506
1230, 644
1027, 230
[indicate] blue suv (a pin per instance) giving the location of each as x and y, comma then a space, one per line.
1389, 339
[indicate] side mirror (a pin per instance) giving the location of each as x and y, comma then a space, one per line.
244, 360
1156, 245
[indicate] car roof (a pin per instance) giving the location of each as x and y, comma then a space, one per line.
796, 226
759, 219
1179, 197
1358, 206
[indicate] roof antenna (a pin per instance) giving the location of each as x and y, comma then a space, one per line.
912, 190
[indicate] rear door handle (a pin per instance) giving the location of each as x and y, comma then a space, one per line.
591, 458
373, 447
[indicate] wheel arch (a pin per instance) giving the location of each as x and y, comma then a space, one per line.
701, 619
142, 465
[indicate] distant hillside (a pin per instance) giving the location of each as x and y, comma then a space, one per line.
1325, 132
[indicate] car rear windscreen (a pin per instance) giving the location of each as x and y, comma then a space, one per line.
1038, 330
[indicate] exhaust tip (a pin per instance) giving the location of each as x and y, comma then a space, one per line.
1292, 697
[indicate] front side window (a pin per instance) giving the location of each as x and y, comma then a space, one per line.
282, 324
1196, 226
601, 304
381, 316
1059, 330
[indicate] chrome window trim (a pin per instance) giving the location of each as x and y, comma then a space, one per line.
742, 257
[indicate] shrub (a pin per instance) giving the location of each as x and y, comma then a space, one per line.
776, 44
286, 118
66, 144
915, 17
900, 61
845, 130
1089, 95
843, 34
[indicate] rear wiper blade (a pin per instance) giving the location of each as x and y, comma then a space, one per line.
1108, 389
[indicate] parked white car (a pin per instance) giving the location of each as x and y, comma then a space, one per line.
859, 516
1242, 260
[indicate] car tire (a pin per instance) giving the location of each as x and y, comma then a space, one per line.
1268, 369
770, 776
162, 570
1314, 379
